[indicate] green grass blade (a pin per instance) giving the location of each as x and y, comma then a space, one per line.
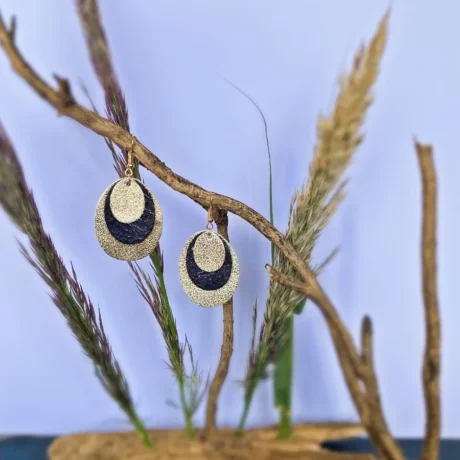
283, 378
299, 309
269, 153
155, 257
282, 381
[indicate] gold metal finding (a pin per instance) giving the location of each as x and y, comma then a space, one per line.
210, 219
130, 163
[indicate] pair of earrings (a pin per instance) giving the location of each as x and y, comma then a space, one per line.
129, 224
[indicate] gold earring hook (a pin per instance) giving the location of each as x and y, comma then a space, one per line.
210, 219
130, 162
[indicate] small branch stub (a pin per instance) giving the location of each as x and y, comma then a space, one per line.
65, 94
12, 31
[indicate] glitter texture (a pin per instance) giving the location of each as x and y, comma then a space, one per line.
207, 280
120, 250
209, 251
127, 201
206, 297
136, 231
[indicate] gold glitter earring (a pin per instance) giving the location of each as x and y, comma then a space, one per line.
128, 218
208, 268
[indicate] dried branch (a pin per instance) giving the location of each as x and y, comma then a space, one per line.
221, 220
348, 355
17, 200
122, 138
290, 283
431, 361
386, 447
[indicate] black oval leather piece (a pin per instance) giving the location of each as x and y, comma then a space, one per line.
134, 232
208, 281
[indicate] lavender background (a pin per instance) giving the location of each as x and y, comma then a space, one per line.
172, 58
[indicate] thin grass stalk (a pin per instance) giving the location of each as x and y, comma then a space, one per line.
339, 136
67, 293
269, 155
257, 371
283, 377
191, 386
117, 112
157, 261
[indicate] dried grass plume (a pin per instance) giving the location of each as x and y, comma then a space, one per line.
338, 137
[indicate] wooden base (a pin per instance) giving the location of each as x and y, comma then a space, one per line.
256, 444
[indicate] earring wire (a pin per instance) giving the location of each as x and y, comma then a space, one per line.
210, 219
130, 163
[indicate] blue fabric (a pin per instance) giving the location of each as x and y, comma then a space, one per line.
28, 448
25, 448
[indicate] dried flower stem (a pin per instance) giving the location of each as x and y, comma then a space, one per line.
431, 362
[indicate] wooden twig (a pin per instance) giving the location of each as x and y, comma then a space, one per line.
226, 351
278, 277
431, 361
387, 446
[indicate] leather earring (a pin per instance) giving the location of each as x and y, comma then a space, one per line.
208, 268
128, 220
